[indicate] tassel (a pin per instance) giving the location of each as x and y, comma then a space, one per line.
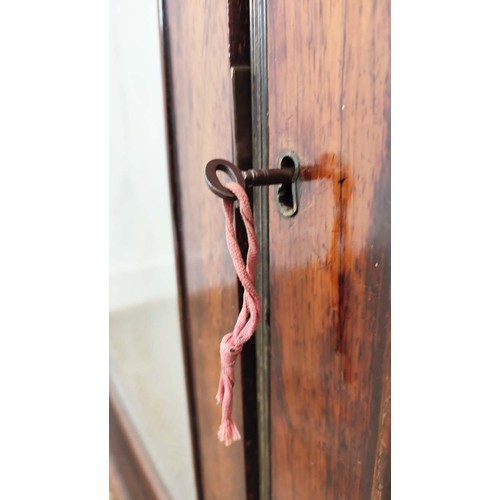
228, 432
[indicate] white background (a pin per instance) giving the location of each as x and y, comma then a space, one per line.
141, 253
54, 250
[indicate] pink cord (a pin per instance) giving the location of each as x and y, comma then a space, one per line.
232, 343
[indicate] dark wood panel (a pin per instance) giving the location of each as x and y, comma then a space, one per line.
199, 110
329, 266
239, 32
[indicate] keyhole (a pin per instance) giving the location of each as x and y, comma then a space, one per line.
286, 195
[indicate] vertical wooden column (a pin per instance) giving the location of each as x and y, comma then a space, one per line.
329, 101
197, 67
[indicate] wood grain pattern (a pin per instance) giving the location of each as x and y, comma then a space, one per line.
329, 100
199, 110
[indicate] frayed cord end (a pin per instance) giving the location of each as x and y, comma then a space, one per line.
228, 432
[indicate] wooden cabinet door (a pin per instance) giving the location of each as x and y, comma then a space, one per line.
320, 88
202, 40
328, 85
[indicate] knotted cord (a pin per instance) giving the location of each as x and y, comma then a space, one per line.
232, 343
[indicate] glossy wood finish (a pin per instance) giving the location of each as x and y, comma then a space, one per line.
329, 100
199, 114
